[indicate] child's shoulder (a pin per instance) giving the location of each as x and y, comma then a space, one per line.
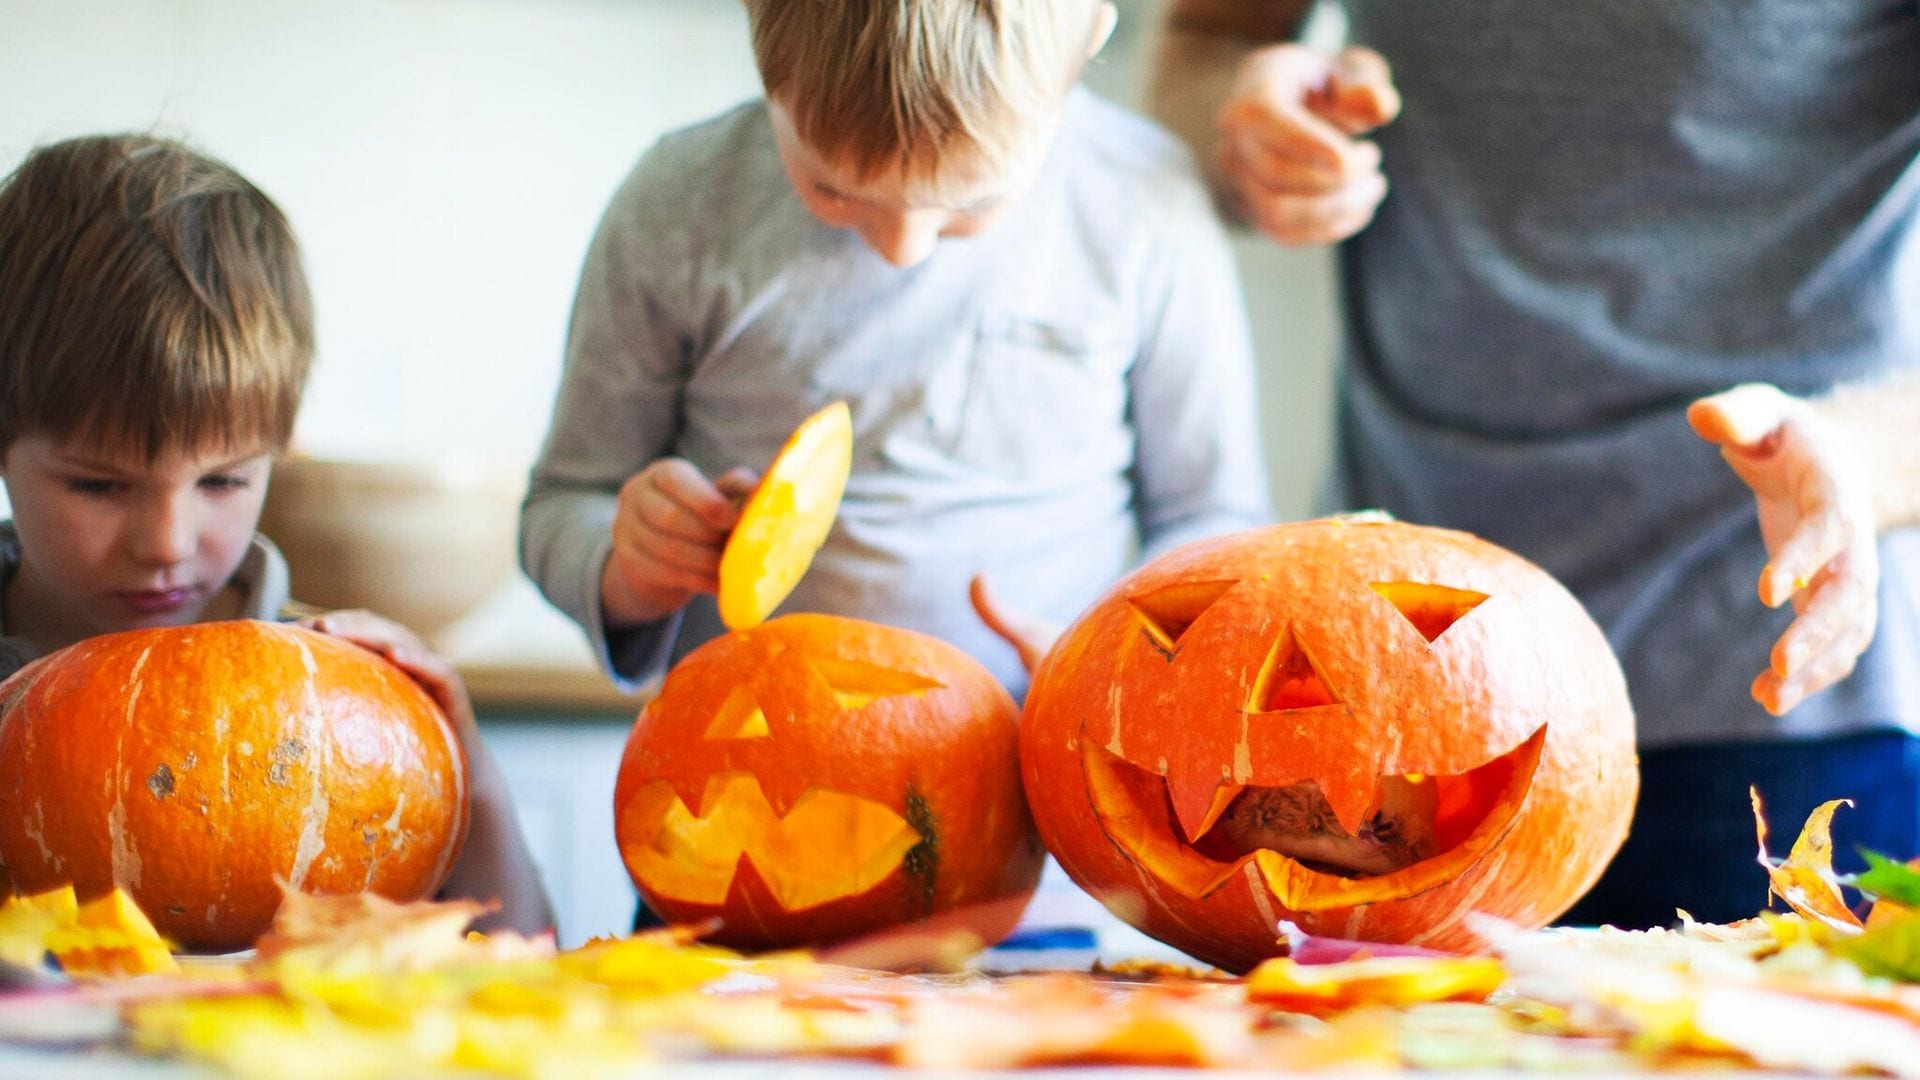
705, 166
1113, 145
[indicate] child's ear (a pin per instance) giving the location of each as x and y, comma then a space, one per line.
1103, 23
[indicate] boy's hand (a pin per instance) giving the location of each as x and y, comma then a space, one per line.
668, 532
1030, 637
407, 652
1289, 146
1816, 515
495, 865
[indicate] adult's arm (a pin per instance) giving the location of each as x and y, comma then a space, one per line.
1829, 474
1277, 126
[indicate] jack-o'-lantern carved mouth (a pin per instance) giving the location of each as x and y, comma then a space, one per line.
1196, 834
1421, 832
829, 846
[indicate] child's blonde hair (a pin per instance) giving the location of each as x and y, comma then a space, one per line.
151, 301
899, 84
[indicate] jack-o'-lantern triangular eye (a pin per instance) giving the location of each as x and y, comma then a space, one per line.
1289, 679
1432, 609
856, 685
1165, 614
739, 717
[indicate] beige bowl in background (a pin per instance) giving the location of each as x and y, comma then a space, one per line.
419, 543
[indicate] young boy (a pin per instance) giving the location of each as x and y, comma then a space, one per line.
1020, 291
155, 336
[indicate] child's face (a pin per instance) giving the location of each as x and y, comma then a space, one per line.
896, 217
109, 544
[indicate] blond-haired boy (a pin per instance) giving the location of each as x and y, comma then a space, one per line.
156, 331
1020, 290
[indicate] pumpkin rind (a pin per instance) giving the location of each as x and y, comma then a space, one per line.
1395, 649
884, 748
196, 766
786, 519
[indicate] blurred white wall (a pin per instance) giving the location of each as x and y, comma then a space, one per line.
444, 162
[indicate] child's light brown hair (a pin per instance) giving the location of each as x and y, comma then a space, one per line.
151, 301
882, 85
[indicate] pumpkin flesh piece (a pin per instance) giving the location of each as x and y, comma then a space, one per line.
786, 519
1472, 812
829, 846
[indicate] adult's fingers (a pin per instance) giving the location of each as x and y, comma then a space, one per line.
1360, 94
1306, 220
1257, 164
1291, 132
1814, 542
1745, 417
1838, 605
1833, 663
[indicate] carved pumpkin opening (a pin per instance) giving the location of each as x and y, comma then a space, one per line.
829, 845
1422, 830
856, 685
1432, 609
740, 717
1289, 679
1166, 614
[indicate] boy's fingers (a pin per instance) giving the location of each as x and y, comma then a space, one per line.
737, 483
694, 557
683, 484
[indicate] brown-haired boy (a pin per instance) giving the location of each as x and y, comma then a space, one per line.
1020, 290
156, 331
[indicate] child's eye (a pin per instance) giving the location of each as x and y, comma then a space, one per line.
826, 192
91, 485
223, 482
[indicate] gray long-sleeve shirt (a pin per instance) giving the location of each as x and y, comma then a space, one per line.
1038, 401
1600, 212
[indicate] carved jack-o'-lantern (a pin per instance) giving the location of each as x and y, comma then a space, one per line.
1368, 728
814, 778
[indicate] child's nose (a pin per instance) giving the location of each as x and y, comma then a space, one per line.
163, 534
907, 238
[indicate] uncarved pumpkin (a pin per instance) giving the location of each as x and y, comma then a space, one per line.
1368, 728
194, 766
815, 778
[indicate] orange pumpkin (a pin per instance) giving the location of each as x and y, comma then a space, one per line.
193, 766
1365, 727
814, 778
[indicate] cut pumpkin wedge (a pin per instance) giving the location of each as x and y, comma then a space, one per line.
787, 518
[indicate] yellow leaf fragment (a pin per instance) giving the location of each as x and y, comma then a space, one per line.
1324, 989
1805, 880
111, 936
26, 922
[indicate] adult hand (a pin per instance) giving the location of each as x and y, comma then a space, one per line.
407, 652
1817, 518
668, 532
1031, 637
1290, 147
